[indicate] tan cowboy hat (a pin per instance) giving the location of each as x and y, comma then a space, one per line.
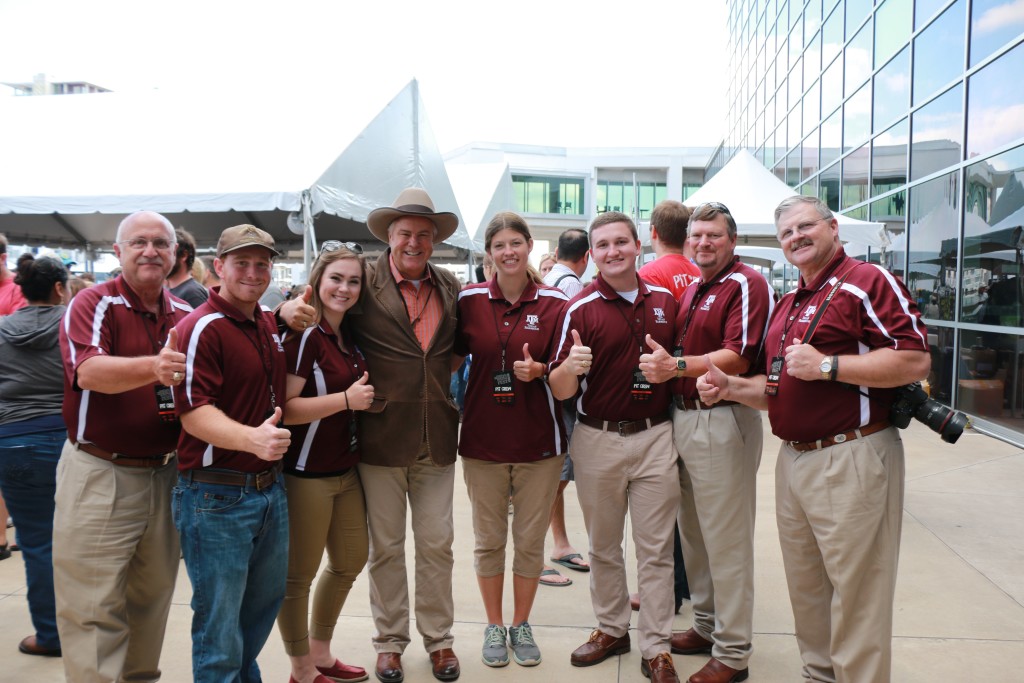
413, 201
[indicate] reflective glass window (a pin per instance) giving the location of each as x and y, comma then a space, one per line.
889, 159
810, 155
832, 36
993, 246
812, 17
812, 59
855, 177
857, 118
780, 142
924, 9
995, 104
889, 211
939, 52
856, 10
793, 125
989, 377
932, 251
828, 186
858, 59
936, 130
993, 24
543, 194
831, 138
618, 195
812, 112
796, 44
794, 167
892, 28
769, 151
795, 83
892, 90
810, 188
832, 86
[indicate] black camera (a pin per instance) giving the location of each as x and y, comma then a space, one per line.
912, 401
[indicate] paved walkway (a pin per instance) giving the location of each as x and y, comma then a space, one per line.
959, 601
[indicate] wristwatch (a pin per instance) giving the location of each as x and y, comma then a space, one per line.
829, 367
680, 366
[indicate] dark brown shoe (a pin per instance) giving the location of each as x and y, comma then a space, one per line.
600, 647
690, 642
446, 664
716, 672
29, 645
389, 667
660, 669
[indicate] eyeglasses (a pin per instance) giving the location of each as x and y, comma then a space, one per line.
140, 243
717, 206
335, 245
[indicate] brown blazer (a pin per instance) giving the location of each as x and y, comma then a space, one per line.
413, 405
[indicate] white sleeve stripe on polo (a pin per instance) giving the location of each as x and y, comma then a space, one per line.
865, 392
307, 443
83, 413
473, 292
190, 357
302, 347
868, 308
568, 317
656, 288
554, 293
67, 331
100, 313
741, 280
208, 455
904, 303
554, 419
184, 307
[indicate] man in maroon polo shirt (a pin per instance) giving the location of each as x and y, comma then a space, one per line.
229, 504
723, 317
622, 445
829, 382
115, 551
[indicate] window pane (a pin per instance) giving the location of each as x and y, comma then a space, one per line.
855, 178
939, 52
828, 187
892, 90
924, 9
858, 59
889, 160
856, 10
832, 86
810, 155
892, 28
857, 124
793, 167
932, 242
812, 59
812, 17
889, 212
812, 114
832, 36
796, 86
831, 138
993, 24
995, 109
540, 194
936, 130
989, 376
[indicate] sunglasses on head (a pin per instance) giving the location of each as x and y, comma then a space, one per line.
717, 206
335, 245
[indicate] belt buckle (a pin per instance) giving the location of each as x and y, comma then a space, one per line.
839, 438
167, 457
623, 425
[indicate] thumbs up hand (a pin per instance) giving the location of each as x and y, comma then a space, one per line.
360, 394
528, 369
268, 441
169, 364
580, 357
298, 314
657, 366
713, 384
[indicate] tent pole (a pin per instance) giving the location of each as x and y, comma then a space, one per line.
308, 234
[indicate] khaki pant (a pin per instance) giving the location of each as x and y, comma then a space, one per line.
323, 513
532, 486
637, 474
721, 451
115, 558
428, 490
840, 511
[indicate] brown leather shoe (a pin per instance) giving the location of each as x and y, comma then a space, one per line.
29, 645
600, 647
689, 642
446, 664
716, 672
660, 669
389, 667
634, 601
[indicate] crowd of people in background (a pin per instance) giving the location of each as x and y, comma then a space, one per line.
174, 411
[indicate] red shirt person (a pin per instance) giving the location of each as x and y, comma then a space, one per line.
672, 268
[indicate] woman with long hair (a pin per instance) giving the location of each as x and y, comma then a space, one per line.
512, 442
32, 433
327, 385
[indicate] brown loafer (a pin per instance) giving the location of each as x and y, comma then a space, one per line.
29, 645
446, 664
689, 642
600, 647
389, 667
660, 669
716, 672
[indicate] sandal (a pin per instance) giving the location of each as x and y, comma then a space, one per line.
553, 573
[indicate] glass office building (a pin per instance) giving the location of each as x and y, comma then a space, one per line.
906, 112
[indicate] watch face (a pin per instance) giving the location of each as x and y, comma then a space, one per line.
680, 364
826, 365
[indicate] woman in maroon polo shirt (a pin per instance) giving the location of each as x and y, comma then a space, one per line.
512, 441
327, 383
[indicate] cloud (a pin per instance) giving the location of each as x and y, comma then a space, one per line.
1001, 17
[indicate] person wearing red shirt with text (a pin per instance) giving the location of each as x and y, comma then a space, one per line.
672, 267
829, 382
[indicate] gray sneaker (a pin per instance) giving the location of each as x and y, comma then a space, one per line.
524, 649
495, 653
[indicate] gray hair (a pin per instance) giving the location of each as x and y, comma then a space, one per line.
132, 217
789, 202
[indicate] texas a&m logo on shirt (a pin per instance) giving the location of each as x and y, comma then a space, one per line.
659, 316
807, 314
531, 322
707, 303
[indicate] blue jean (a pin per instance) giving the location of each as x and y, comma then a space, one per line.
28, 465
235, 543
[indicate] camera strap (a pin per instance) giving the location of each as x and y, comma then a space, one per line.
824, 304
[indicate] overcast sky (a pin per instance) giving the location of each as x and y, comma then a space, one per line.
554, 72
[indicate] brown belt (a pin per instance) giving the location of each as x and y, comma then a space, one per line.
623, 428
257, 480
125, 460
696, 404
804, 446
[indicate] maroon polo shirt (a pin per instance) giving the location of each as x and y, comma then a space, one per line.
614, 329
111, 320
729, 311
231, 362
322, 447
531, 428
871, 310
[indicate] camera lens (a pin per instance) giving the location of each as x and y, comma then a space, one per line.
949, 424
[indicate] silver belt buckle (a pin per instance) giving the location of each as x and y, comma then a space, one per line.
839, 438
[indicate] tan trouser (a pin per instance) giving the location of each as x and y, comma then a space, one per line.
840, 510
428, 490
721, 450
532, 486
327, 512
115, 558
637, 474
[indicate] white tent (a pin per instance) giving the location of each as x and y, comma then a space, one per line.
752, 192
73, 166
482, 190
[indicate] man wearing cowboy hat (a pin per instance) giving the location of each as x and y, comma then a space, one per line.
404, 324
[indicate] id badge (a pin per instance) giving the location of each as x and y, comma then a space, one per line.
640, 388
771, 385
677, 352
504, 392
165, 403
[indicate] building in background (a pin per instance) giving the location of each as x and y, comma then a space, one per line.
43, 85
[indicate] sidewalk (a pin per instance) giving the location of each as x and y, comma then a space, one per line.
959, 600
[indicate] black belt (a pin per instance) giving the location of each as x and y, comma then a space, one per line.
623, 427
125, 460
697, 404
258, 480
804, 446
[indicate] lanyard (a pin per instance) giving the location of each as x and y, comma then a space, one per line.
497, 329
817, 318
643, 318
268, 369
702, 291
